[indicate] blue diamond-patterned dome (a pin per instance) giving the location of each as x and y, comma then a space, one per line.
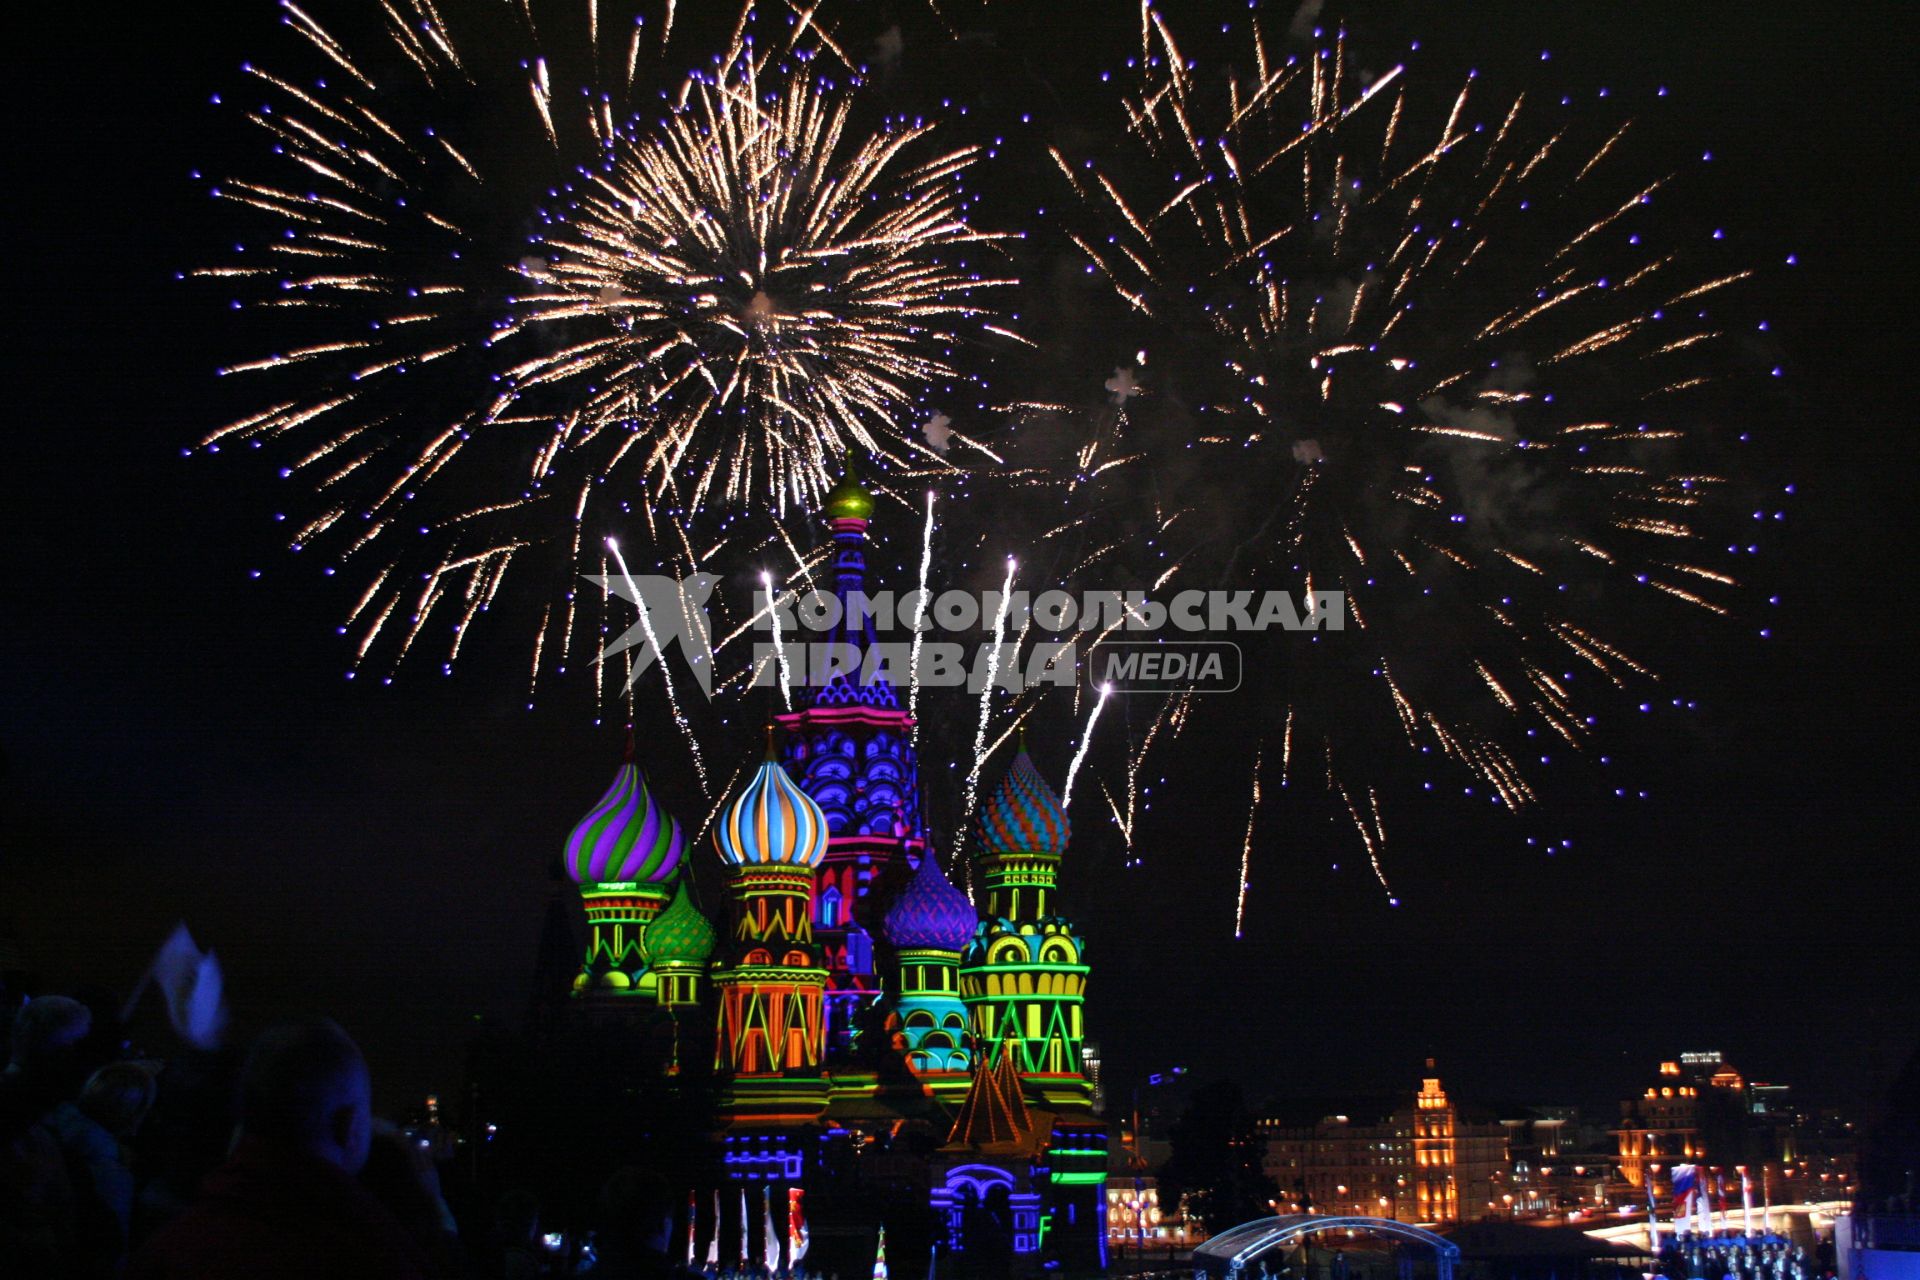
930, 914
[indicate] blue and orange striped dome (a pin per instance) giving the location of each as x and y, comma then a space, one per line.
772, 822
625, 837
1023, 815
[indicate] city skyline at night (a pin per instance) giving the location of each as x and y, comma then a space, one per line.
1720, 860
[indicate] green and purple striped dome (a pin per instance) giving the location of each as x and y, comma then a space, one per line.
680, 934
772, 823
626, 837
1024, 814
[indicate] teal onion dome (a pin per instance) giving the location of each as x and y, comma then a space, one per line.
1023, 815
848, 500
627, 836
680, 934
772, 822
930, 914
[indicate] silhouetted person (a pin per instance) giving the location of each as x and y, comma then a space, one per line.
43, 1069
402, 1176
92, 1132
512, 1249
36, 1191
286, 1203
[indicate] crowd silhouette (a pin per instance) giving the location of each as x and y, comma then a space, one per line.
1689, 1256
218, 1162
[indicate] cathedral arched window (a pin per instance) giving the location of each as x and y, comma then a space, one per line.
859, 950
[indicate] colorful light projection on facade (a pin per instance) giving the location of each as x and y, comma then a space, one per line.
625, 856
1022, 975
772, 837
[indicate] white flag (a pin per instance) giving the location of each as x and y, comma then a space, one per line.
713, 1241
770, 1248
190, 983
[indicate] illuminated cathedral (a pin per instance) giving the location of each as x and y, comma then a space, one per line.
864, 1032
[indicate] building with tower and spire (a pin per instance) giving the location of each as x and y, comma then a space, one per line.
866, 1040
851, 748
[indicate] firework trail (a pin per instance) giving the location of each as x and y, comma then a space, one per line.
987, 687
1434, 354
660, 659
1086, 740
779, 646
521, 316
1246, 854
919, 617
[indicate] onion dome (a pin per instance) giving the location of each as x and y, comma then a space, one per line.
680, 934
627, 836
1023, 815
772, 822
848, 500
930, 914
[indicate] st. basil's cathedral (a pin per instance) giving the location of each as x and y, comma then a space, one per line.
847, 1016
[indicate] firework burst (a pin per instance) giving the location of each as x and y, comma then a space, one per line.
1420, 348
523, 316
759, 287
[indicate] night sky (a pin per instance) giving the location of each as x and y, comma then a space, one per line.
178, 742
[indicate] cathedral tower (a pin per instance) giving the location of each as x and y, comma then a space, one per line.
625, 856
772, 837
929, 924
1022, 975
851, 750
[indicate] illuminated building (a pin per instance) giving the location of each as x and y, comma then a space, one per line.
678, 945
850, 749
772, 986
1090, 1068
1138, 1222
1699, 1109
929, 924
1021, 975
1665, 1122
869, 1033
1427, 1159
